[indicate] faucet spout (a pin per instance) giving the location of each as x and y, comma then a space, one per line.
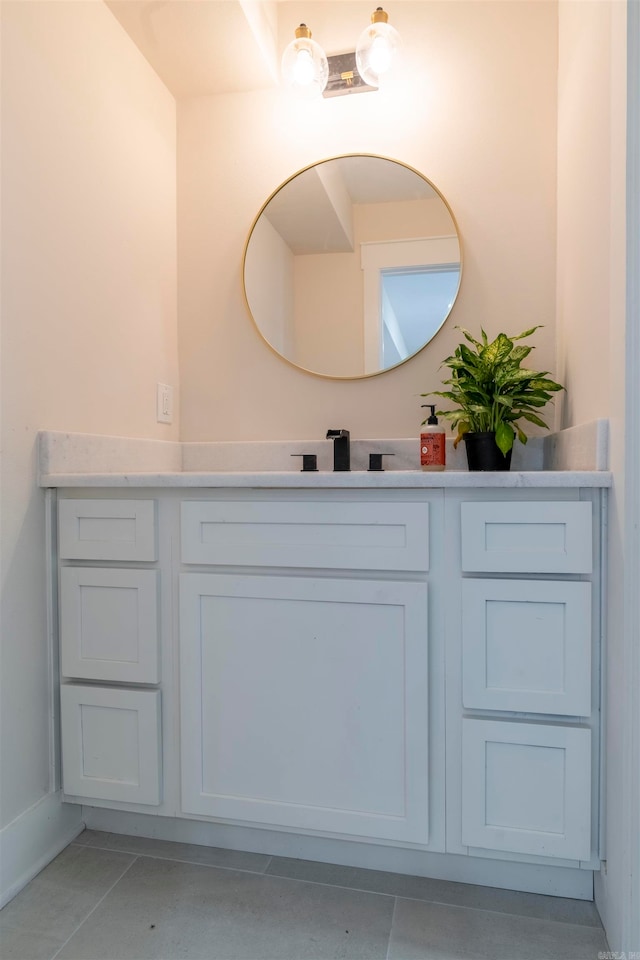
341, 449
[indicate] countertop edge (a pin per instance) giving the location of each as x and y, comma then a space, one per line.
387, 479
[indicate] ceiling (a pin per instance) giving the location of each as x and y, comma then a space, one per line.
201, 47
204, 46
313, 212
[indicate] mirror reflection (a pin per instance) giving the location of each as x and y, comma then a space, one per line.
352, 266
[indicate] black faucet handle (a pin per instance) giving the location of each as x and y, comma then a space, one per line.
375, 461
309, 462
338, 434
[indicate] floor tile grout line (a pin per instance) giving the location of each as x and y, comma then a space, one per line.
95, 907
341, 886
393, 917
193, 863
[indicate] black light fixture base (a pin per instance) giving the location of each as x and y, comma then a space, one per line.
344, 77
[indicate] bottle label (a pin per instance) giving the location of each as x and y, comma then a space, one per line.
432, 449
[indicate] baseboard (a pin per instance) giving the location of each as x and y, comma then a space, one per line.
33, 839
506, 874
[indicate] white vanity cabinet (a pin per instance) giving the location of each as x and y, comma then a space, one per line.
416, 668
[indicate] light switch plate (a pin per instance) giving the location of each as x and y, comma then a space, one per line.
164, 403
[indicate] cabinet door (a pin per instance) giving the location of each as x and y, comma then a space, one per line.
304, 703
111, 743
526, 788
526, 646
108, 624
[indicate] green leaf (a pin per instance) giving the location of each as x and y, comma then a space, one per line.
504, 437
468, 336
463, 427
497, 351
519, 353
532, 418
546, 385
469, 357
527, 333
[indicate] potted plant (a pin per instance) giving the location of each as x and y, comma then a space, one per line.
492, 392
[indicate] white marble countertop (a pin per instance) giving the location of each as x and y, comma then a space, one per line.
398, 479
576, 457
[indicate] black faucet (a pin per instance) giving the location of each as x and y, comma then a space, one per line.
341, 449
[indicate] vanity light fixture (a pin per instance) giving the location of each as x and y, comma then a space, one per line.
344, 77
304, 64
376, 48
308, 71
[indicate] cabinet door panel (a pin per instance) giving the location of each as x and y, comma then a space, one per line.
108, 624
526, 646
527, 537
526, 788
304, 703
111, 743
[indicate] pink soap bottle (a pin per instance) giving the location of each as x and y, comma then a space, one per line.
433, 442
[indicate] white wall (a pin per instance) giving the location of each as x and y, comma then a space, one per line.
487, 142
269, 289
88, 301
584, 205
593, 341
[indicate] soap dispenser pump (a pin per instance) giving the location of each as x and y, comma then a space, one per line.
433, 442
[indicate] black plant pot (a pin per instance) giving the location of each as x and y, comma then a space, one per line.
483, 453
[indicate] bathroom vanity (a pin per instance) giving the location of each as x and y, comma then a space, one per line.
410, 661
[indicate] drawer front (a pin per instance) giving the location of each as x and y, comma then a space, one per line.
109, 624
111, 743
526, 645
107, 530
527, 537
372, 536
526, 788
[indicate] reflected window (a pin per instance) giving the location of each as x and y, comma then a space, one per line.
413, 302
427, 268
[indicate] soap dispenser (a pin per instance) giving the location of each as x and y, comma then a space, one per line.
433, 442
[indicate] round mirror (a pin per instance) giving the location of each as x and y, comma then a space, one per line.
352, 266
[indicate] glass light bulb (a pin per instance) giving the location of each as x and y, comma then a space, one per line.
305, 67
380, 55
375, 52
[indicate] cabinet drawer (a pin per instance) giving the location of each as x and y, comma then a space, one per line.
371, 536
111, 743
526, 788
526, 645
527, 537
109, 624
107, 529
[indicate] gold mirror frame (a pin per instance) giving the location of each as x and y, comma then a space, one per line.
314, 166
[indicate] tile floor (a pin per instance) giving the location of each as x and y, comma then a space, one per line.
111, 897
